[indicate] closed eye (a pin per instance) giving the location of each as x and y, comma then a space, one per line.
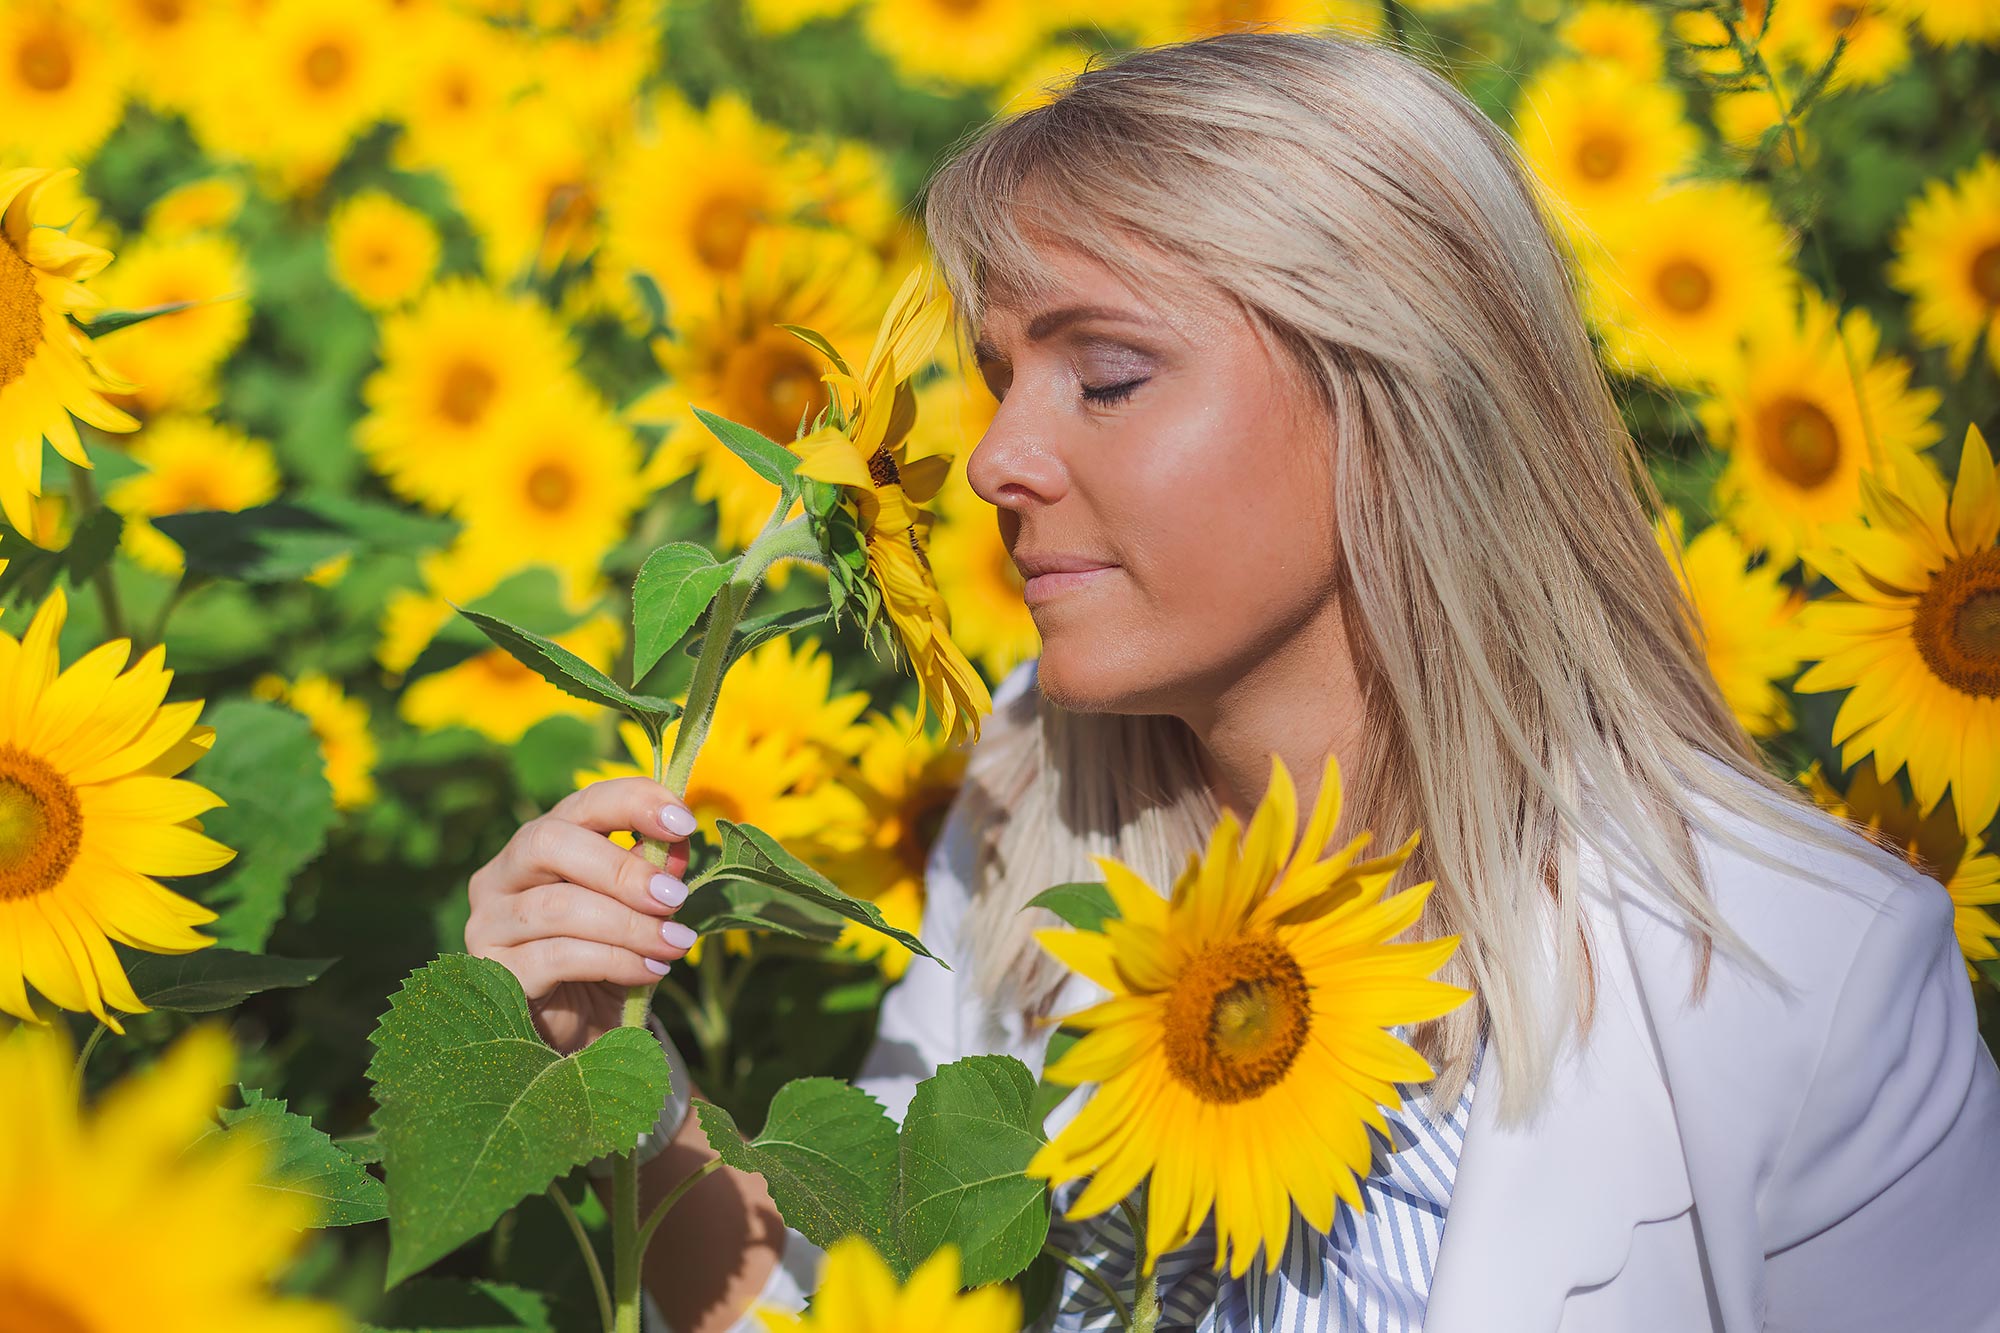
1112, 393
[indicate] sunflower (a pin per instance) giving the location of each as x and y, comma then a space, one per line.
1948, 259
1045, 77
493, 694
1742, 116
1745, 617
171, 45
862, 449
557, 485
731, 358
1952, 22
201, 1232
464, 358
954, 43
60, 81
857, 1293
383, 252
1627, 36
1206, 18
979, 580
459, 76
1245, 1050
784, 688
1916, 639
1675, 294
47, 369
340, 724
1804, 32
1798, 434
530, 184
208, 204
172, 359
775, 18
190, 463
1934, 844
593, 70
1602, 142
90, 810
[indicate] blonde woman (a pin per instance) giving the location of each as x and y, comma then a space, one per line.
1304, 449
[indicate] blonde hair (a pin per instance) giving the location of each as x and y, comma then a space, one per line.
1523, 646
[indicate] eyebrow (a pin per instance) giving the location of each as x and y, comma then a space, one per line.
1054, 321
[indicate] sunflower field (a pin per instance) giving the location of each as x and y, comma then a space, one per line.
414, 411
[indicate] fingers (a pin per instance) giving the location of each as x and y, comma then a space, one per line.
549, 850
551, 911
634, 805
542, 964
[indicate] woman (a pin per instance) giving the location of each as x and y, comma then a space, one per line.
1305, 450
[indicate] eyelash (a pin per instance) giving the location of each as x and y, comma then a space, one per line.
1112, 393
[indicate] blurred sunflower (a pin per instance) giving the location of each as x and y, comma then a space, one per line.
1742, 116
48, 370
1745, 617
202, 1230
730, 357
168, 45
497, 697
190, 463
851, 189
1916, 640
90, 811
954, 43
1805, 31
1798, 435
1627, 36
1246, 1047
383, 252
208, 204
461, 572
172, 359
1704, 38
1934, 844
858, 1294
339, 722
784, 688
556, 484
458, 77
61, 82
979, 580
464, 358
593, 70
530, 184
684, 204
1601, 141
775, 18
1952, 22
1043, 78
861, 450
1947, 257
906, 780
1205, 18
1673, 295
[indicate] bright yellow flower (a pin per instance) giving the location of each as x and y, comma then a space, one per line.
208, 204
1916, 639
1204, 18
1934, 844
90, 811
459, 76
784, 688
1602, 142
1948, 260
1744, 614
593, 71
1953, 22
201, 1237
1804, 32
62, 87
340, 724
858, 1294
173, 359
1046, 75
383, 252
48, 370
1246, 1047
954, 43
1675, 293
1798, 434
1743, 115
530, 183
497, 697
167, 49
1626, 35
466, 357
868, 456
979, 579
191, 463
775, 18
730, 357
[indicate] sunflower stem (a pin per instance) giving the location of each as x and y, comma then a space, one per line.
1095, 1279
85, 492
590, 1259
674, 1196
625, 1250
83, 1056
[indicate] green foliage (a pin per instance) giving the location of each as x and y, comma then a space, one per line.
767, 458
212, 979
304, 1161
441, 1305
571, 674
1082, 906
754, 856
478, 1112
674, 587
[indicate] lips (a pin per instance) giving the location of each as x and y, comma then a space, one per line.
1061, 582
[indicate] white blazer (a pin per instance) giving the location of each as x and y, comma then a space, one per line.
1827, 1162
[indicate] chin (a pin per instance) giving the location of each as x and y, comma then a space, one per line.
1094, 673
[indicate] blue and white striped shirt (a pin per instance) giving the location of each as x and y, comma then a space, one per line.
1371, 1275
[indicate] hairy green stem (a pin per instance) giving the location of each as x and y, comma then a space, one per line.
1095, 1279
626, 1253
674, 1196
590, 1260
83, 1056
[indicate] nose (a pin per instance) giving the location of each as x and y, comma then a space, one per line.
1014, 467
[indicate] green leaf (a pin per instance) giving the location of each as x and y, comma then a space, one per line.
742, 905
548, 755
1048, 1096
477, 1112
767, 458
754, 856
758, 630
303, 1160
212, 979
110, 321
276, 826
1083, 906
828, 1153
674, 587
570, 673
448, 1305
818, 344
969, 1134
272, 543
92, 544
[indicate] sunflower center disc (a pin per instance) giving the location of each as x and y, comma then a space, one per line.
1236, 1019
44, 63
41, 825
1684, 286
20, 314
550, 487
722, 232
1986, 275
1957, 627
781, 388
1600, 156
882, 470
467, 390
28, 1310
1799, 441
325, 66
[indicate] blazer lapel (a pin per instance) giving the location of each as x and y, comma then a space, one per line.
1542, 1208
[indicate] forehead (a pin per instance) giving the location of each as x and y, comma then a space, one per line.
1130, 280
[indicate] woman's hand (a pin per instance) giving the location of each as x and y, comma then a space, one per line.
579, 919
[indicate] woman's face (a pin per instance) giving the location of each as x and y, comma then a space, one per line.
1175, 453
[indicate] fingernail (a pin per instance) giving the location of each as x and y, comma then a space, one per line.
677, 820
669, 890
656, 967
678, 935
